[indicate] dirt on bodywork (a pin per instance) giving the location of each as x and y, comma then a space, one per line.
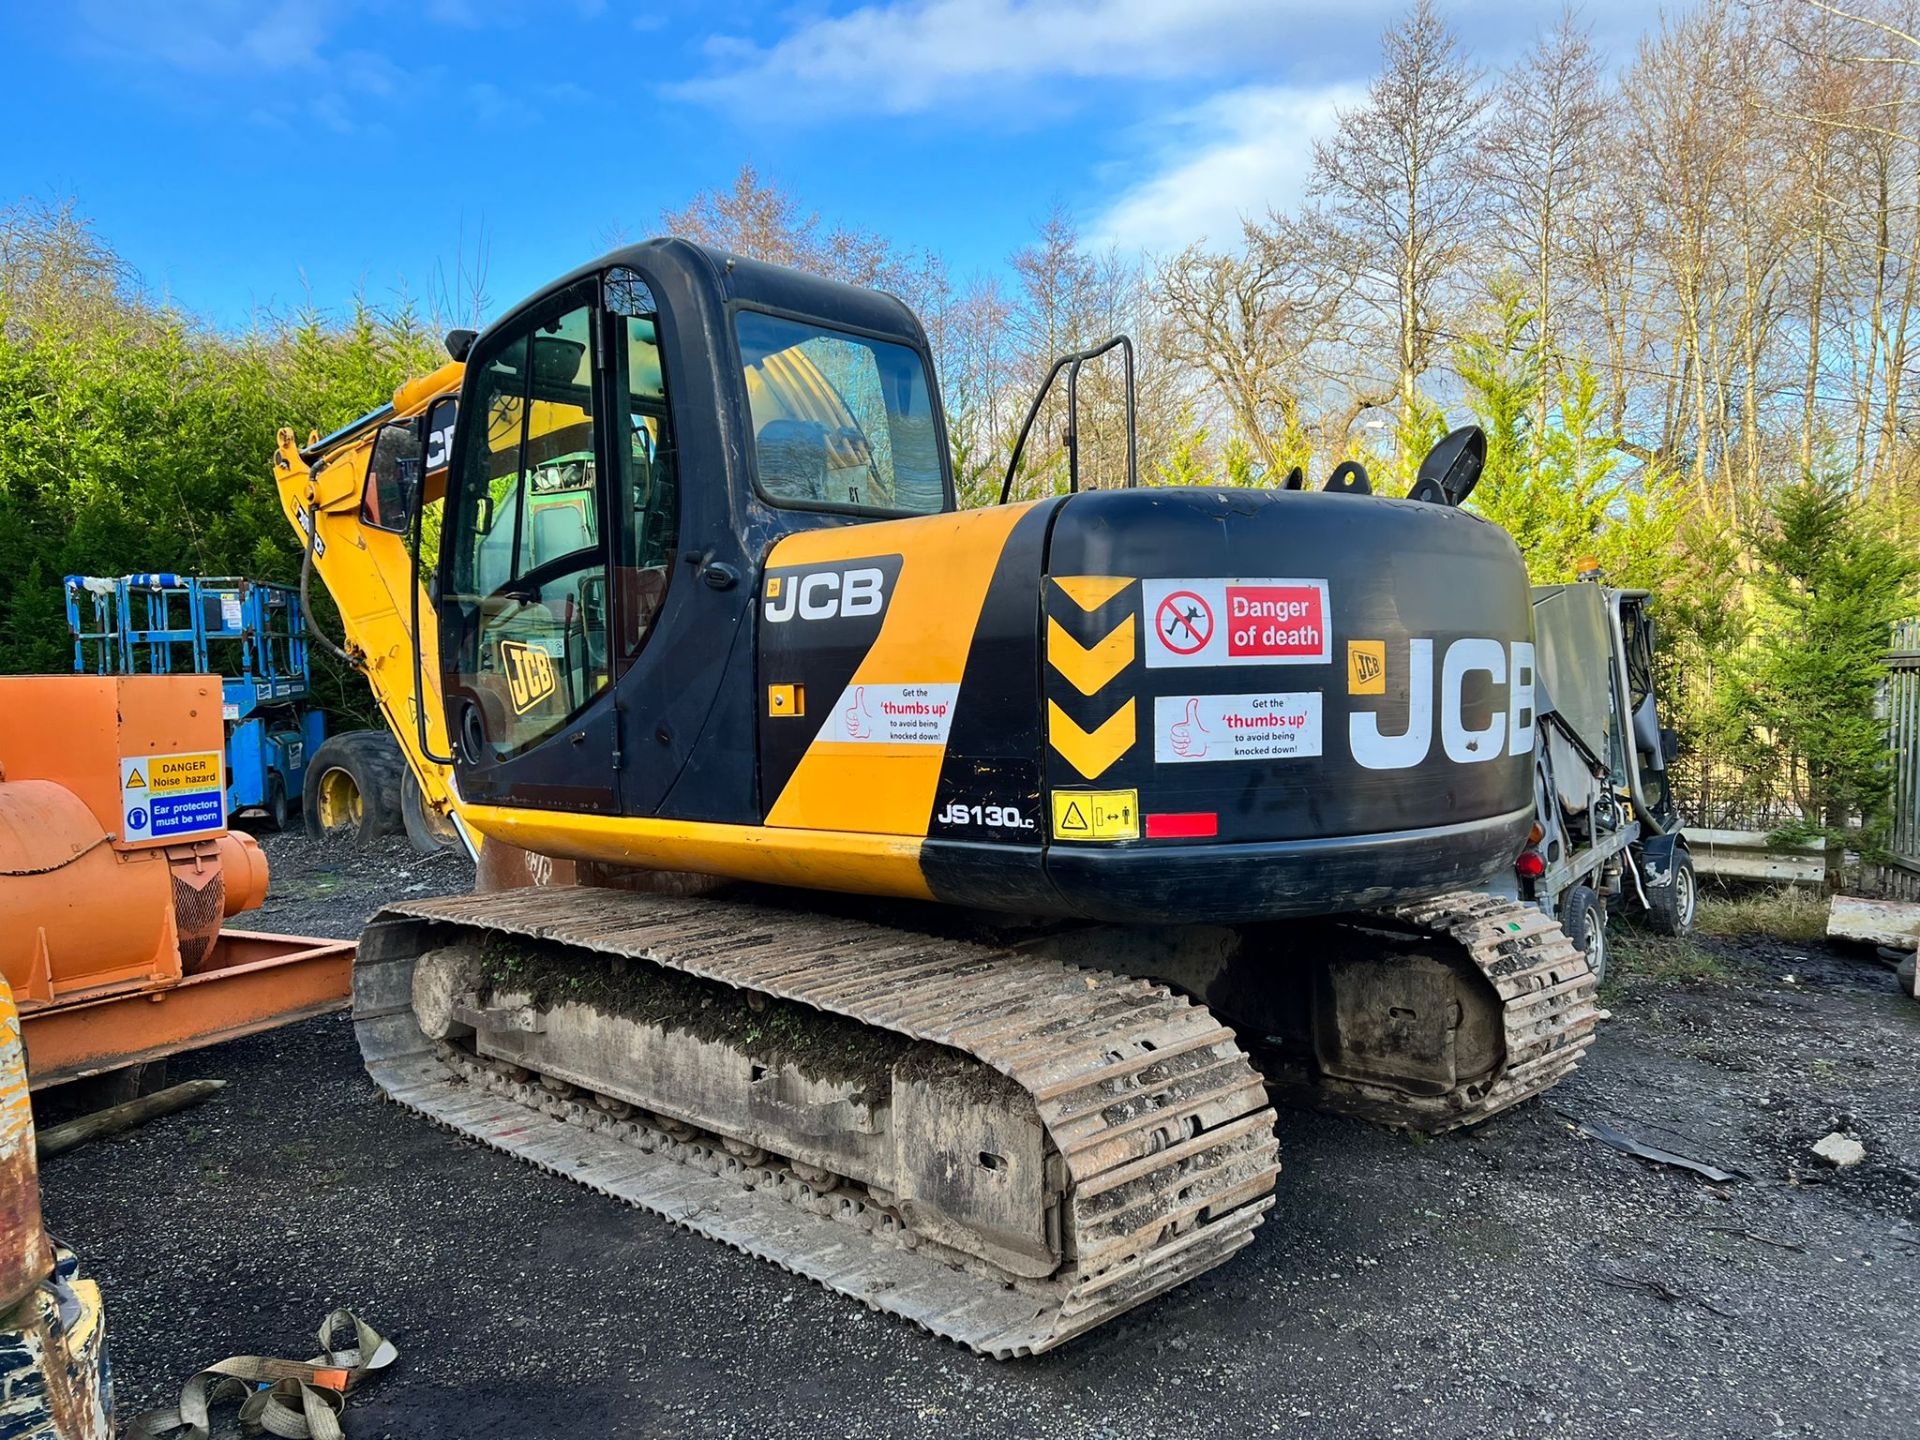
817, 1045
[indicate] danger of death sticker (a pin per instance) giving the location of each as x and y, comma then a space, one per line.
1267, 726
172, 797
1236, 622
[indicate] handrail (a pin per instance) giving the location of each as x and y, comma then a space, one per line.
1071, 362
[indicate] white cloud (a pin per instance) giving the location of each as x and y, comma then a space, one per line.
212, 36
1236, 155
911, 55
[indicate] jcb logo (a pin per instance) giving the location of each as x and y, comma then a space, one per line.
1506, 731
823, 594
1366, 667
530, 677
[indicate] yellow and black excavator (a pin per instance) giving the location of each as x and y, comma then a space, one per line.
923, 899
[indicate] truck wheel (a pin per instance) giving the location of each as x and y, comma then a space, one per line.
353, 786
277, 810
1670, 907
427, 831
1583, 915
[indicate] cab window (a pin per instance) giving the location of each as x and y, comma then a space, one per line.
647, 546
840, 421
530, 567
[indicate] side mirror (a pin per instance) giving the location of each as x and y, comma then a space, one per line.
1670, 745
392, 493
1452, 468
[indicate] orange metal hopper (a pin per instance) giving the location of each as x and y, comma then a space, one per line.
117, 871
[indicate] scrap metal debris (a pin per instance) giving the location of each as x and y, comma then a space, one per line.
1653, 1154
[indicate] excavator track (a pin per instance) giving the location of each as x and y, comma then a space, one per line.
1548, 1011
1157, 1124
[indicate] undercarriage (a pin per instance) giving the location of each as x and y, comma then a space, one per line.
1006, 1140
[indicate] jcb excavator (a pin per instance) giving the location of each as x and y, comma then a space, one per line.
900, 893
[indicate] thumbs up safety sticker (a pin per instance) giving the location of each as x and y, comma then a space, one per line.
1266, 726
892, 715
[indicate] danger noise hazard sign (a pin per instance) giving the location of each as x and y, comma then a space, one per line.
1237, 622
172, 797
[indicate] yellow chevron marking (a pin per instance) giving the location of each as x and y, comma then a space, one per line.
1090, 592
1091, 754
1088, 667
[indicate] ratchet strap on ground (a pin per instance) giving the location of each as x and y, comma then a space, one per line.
288, 1398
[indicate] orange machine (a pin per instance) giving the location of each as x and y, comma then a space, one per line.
117, 870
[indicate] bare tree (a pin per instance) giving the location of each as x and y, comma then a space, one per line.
764, 221
1398, 177
1244, 322
1540, 160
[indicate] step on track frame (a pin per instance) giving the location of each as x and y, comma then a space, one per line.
1161, 1121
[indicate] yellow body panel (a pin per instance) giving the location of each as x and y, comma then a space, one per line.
947, 565
825, 859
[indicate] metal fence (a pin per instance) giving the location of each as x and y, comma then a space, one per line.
1901, 877
1732, 811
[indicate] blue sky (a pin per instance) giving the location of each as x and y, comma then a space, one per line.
244, 154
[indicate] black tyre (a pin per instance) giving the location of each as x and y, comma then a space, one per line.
427, 831
1583, 915
353, 787
278, 811
1670, 907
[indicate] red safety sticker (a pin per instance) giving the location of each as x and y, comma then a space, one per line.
1196, 825
1221, 621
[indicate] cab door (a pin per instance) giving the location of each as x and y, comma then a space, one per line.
538, 493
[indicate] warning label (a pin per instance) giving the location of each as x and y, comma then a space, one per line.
1096, 814
892, 715
1270, 726
1237, 622
172, 797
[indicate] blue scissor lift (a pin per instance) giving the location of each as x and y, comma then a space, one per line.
251, 634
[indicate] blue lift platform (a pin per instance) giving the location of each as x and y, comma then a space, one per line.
250, 633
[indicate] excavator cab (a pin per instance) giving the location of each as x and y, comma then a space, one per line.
630, 443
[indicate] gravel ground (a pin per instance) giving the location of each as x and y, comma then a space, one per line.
1519, 1280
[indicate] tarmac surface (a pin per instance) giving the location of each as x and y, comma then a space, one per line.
1518, 1280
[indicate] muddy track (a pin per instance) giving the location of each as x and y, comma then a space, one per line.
1160, 1121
